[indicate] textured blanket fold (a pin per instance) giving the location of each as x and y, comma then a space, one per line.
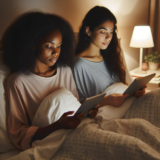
135, 137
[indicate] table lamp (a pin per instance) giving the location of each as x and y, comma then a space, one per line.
141, 38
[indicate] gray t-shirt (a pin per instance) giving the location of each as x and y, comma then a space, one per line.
91, 78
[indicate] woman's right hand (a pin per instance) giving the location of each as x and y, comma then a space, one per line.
70, 122
65, 122
115, 99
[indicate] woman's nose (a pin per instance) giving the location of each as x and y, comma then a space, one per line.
55, 51
108, 36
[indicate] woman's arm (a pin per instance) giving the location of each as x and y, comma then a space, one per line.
45, 131
20, 130
140, 92
114, 99
64, 122
80, 81
18, 124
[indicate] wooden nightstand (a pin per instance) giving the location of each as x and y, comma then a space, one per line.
153, 83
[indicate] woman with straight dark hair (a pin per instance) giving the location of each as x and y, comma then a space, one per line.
98, 62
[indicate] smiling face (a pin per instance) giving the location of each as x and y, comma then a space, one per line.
49, 48
102, 35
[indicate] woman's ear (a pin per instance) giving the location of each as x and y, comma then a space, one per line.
88, 32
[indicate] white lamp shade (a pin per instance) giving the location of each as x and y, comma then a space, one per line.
141, 37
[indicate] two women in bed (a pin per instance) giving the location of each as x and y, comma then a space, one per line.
37, 48
98, 62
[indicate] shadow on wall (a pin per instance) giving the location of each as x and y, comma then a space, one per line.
117, 7
128, 13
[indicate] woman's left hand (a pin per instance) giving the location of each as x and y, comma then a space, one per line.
93, 112
140, 92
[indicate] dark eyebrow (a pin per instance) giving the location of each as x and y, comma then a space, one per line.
52, 42
105, 28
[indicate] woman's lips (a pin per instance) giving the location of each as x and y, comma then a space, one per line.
53, 60
106, 44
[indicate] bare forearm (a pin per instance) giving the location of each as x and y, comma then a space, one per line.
115, 99
64, 122
104, 101
45, 131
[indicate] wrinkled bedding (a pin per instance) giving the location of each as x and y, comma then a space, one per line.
135, 137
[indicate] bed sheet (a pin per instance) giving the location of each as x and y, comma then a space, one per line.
9, 154
135, 137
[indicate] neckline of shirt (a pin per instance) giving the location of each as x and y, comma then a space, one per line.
46, 78
91, 61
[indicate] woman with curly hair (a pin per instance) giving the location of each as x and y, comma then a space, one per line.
37, 48
98, 62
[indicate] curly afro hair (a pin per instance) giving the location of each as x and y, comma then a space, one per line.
25, 34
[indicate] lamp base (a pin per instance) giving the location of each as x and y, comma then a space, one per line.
140, 72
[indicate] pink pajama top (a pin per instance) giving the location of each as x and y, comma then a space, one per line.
25, 91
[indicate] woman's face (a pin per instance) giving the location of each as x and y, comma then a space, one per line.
102, 35
49, 48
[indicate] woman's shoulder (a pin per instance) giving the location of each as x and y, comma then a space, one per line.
78, 62
63, 67
17, 77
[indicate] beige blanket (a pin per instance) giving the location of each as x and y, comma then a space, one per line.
135, 137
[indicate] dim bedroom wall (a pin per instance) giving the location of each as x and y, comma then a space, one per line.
128, 12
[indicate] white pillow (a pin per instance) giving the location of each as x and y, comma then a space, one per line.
110, 112
118, 87
53, 107
5, 144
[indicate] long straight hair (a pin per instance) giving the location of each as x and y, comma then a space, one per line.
112, 55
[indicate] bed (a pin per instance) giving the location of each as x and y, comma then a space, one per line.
136, 135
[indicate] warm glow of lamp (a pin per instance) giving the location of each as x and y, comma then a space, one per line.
141, 38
